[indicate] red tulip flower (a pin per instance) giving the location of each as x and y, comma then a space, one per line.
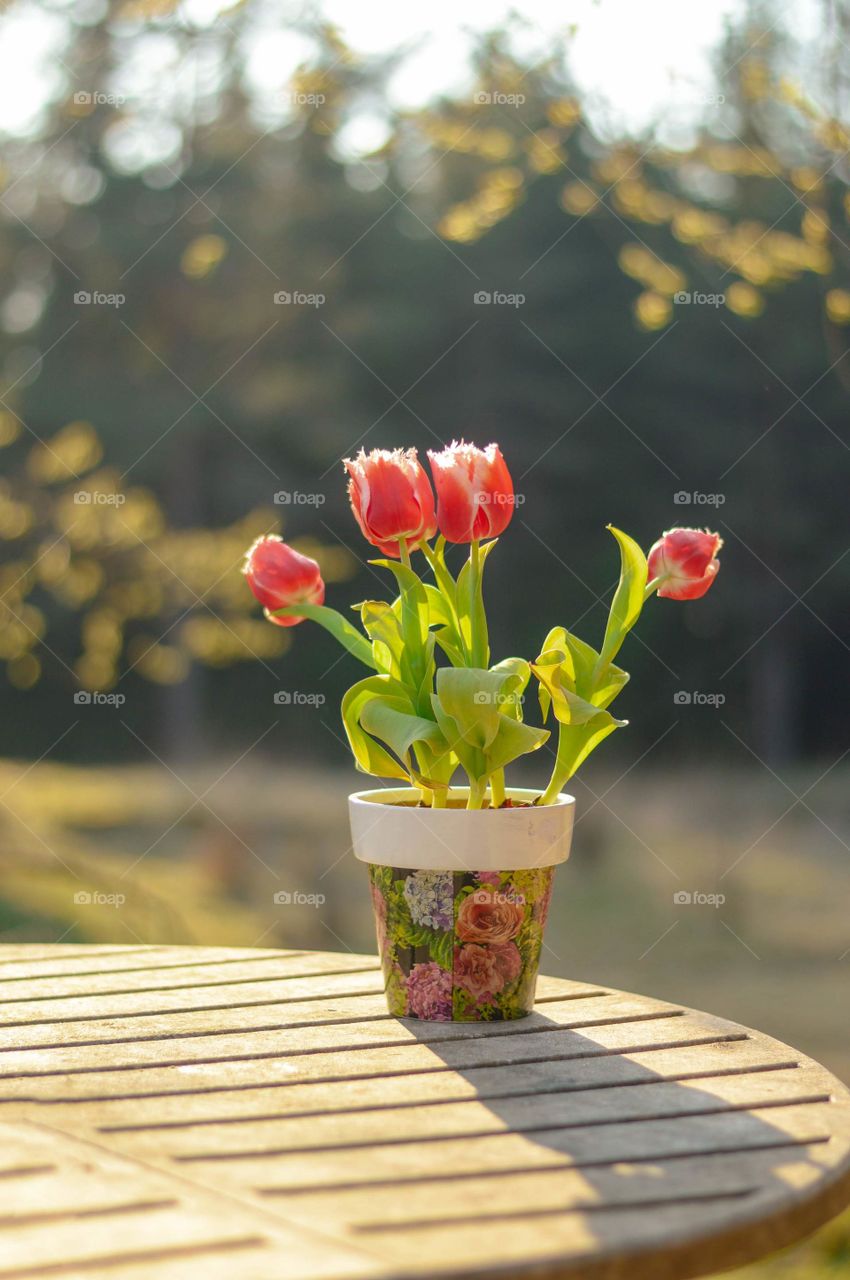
685, 561
280, 576
475, 493
391, 498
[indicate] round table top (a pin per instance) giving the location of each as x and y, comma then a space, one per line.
188, 1113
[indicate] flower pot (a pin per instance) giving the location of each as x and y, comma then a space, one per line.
460, 899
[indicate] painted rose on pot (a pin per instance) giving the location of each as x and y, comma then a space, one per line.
485, 971
490, 915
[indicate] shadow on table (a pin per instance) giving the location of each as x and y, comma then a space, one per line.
632, 1157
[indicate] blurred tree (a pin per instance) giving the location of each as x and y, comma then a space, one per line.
164, 173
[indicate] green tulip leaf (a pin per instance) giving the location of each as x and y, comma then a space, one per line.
513, 739
609, 685
569, 707
439, 608
470, 602
399, 729
576, 743
473, 698
471, 757
446, 638
628, 598
413, 612
369, 755
382, 625
414, 601
517, 674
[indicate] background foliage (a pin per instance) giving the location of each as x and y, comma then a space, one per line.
200, 398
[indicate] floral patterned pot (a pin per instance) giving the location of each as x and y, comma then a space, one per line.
461, 942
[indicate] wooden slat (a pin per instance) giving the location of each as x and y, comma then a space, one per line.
474, 1118
124, 960
235, 1016
190, 974
272, 1062
421, 1092
349, 1035
382, 1162
49, 953
260, 991
177, 1113
546, 1188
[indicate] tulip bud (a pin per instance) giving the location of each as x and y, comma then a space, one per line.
684, 561
391, 499
280, 576
475, 493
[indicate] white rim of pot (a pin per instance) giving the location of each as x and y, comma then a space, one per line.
390, 833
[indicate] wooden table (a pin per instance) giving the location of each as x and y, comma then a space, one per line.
183, 1113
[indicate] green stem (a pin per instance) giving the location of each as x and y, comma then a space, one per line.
560, 769
447, 587
477, 793
480, 648
410, 624
651, 588
497, 789
339, 627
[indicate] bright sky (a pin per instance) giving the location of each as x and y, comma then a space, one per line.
640, 61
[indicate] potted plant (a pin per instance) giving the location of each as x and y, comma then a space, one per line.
461, 875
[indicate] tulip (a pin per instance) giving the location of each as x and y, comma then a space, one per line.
475, 493
391, 499
684, 562
280, 576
